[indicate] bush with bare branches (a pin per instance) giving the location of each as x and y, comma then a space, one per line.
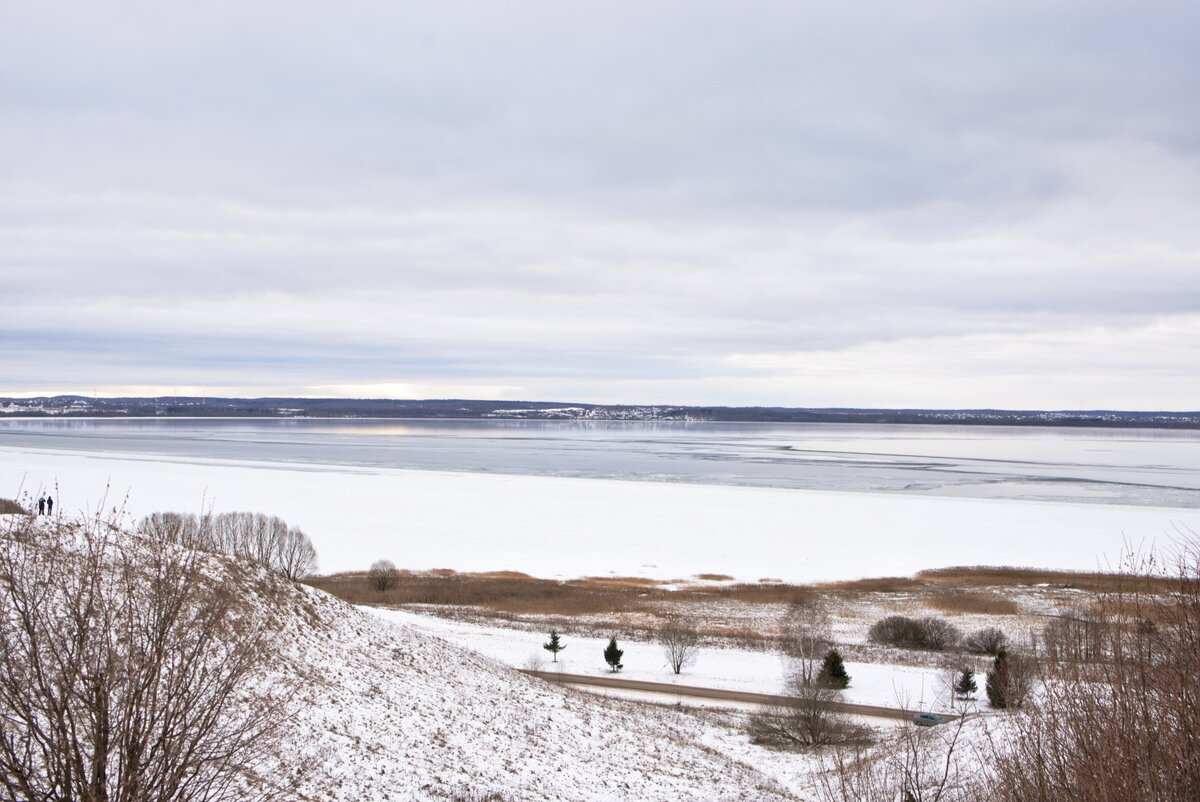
127, 673
1126, 725
911, 764
680, 644
928, 632
383, 576
10, 507
808, 718
989, 640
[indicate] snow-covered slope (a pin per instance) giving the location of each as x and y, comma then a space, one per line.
379, 710
390, 713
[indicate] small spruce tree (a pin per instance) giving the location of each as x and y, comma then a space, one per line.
833, 672
612, 655
965, 686
554, 647
997, 681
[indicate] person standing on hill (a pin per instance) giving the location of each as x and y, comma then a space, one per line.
49, 505
41, 505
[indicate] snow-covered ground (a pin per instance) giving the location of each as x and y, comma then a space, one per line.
886, 685
559, 527
395, 714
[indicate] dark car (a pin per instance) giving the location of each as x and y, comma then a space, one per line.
927, 719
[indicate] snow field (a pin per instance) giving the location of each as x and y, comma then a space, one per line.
556, 527
887, 685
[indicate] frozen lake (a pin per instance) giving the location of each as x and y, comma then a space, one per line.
790, 501
1117, 466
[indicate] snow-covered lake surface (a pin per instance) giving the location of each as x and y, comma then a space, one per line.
792, 502
1122, 466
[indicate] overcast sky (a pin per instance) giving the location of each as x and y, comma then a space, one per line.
986, 204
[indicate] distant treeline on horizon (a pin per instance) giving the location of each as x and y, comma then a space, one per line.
202, 407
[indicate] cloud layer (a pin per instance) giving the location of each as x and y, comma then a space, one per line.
883, 205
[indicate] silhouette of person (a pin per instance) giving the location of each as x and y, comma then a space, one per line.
49, 505
41, 505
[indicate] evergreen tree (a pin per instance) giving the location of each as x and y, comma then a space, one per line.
997, 681
612, 655
554, 647
833, 672
965, 686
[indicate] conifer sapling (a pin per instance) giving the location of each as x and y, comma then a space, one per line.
833, 671
965, 686
612, 655
554, 647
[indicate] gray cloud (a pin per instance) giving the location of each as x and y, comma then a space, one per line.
680, 201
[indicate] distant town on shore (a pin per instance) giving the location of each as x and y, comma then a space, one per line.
75, 406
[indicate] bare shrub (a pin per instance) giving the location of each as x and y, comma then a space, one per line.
680, 643
913, 764
10, 507
915, 633
1077, 635
989, 640
127, 674
383, 576
807, 719
1124, 726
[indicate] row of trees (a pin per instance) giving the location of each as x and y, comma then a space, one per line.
680, 644
612, 652
265, 540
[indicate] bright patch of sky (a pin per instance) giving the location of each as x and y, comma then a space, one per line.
868, 204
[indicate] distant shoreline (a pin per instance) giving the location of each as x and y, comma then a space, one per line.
72, 406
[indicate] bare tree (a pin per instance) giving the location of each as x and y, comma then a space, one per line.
807, 635
296, 557
128, 673
680, 643
383, 576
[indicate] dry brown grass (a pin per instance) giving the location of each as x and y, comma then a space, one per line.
619, 581
516, 593
1007, 575
880, 584
501, 591
715, 577
970, 603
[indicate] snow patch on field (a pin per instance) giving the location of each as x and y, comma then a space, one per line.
886, 685
560, 527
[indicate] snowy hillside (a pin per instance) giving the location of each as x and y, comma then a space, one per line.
376, 710
390, 713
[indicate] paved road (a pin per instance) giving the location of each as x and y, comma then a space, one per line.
719, 693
